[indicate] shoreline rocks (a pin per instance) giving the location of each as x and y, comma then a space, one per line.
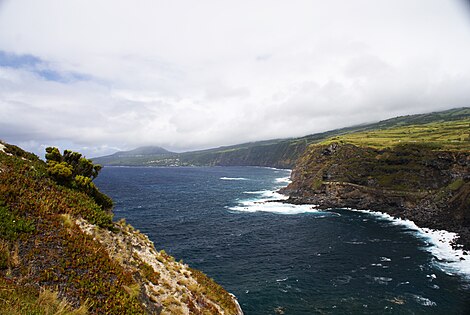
430, 188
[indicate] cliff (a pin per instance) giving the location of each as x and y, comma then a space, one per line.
280, 153
61, 253
417, 181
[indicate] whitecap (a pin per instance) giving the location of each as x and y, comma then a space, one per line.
432, 276
385, 259
233, 178
382, 280
267, 195
283, 180
355, 242
449, 260
258, 192
282, 280
423, 300
273, 207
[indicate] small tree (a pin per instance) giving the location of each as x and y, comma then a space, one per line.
75, 171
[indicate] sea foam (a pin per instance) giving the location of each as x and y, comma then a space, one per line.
233, 178
448, 259
271, 201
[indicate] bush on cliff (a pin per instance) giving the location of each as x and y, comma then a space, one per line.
75, 171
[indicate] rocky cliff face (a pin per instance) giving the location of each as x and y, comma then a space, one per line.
165, 285
412, 181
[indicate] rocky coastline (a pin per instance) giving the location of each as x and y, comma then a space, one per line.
428, 187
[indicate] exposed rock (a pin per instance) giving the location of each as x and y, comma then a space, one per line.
58, 239
173, 289
431, 188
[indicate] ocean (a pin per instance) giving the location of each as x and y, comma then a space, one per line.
286, 259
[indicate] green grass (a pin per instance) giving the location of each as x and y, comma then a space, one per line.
20, 300
54, 252
449, 135
12, 226
45, 255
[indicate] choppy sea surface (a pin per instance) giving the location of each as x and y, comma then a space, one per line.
285, 259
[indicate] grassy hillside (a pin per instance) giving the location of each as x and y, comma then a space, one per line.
445, 135
280, 152
61, 253
417, 171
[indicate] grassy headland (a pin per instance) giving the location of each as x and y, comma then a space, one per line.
61, 253
420, 172
444, 135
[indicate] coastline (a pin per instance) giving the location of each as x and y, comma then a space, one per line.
447, 246
451, 257
444, 244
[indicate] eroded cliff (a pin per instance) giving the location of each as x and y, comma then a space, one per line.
413, 181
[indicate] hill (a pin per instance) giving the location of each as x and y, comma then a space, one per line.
138, 156
419, 172
282, 153
61, 253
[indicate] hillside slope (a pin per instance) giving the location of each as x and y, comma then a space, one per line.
281, 153
418, 172
60, 253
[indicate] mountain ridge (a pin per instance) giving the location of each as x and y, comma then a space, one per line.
281, 153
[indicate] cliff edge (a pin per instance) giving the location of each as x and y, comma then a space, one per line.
61, 253
417, 181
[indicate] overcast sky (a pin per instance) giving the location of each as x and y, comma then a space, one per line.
100, 76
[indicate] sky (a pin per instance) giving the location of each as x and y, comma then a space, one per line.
101, 76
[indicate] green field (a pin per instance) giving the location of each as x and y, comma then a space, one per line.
448, 135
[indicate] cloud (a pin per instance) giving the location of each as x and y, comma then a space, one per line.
108, 75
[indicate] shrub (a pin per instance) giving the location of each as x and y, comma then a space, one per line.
12, 226
75, 171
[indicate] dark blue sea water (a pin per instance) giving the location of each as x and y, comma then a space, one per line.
295, 260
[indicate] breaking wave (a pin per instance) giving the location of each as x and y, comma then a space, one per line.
233, 178
447, 258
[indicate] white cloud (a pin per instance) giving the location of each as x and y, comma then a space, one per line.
188, 75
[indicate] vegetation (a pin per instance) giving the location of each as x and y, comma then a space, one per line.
284, 153
446, 135
22, 300
39, 249
419, 171
409, 167
12, 226
73, 170
53, 261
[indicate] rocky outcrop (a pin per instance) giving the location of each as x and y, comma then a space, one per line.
166, 286
412, 181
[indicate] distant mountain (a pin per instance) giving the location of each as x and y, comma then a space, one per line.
139, 156
148, 150
282, 153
